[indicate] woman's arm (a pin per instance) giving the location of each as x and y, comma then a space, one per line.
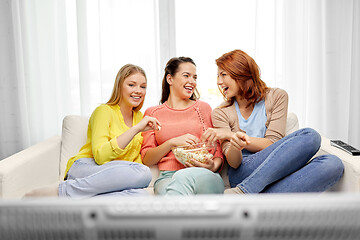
277, 110
258, 144
147, 123
238, 142
211, 164
104, 147
278, 105
155, 154
233, 156
254, 144
222, 131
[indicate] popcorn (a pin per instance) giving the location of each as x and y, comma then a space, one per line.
198, 152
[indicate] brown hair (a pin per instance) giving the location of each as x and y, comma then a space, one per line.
171, 68
123, 73
244, 70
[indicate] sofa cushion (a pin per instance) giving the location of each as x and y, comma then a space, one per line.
74, 134
292, 123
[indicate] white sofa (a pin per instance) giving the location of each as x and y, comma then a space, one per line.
45, 162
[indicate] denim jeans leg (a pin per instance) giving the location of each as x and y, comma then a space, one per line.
87, 179
318, 175
276, 161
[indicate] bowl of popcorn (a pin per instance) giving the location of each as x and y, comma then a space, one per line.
200, 152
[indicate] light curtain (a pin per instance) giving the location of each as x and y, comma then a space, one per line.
62, 57
321, 65
310, 48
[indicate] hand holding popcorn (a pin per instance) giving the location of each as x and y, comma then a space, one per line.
192, 155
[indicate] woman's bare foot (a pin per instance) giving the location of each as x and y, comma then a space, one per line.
234, 190
47, 191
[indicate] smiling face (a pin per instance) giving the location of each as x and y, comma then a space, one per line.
183, 82
133, 90
228, 86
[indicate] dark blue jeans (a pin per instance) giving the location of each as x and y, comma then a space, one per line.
284, 167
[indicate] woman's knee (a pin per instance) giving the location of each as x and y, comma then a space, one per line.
136, 174
315, 138
143, 175
192, 172
184, 175
160, 188
334, 165
311, 139
201, 180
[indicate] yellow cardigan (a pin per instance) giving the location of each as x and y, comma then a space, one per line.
105, 125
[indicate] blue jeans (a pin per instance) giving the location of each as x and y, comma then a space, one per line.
189, 181
283, 167
88, 179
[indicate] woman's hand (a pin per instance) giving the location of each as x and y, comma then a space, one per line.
148, 123
211, 135
154, 155
240, 140
209, 164
185, 139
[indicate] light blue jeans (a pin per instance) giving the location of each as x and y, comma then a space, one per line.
283, 167
189, 181
88, 179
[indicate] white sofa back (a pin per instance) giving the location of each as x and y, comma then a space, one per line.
74, 134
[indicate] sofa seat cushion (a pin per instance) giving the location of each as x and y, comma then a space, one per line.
74, 135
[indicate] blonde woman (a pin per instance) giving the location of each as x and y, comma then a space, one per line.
110, 162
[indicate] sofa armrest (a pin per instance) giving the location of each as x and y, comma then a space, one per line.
33, 167
350, 182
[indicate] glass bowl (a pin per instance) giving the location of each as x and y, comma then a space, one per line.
200, 152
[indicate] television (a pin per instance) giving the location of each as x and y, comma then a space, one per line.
330, 216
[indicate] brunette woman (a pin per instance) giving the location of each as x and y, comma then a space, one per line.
184, 119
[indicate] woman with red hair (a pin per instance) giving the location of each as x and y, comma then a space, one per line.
251, 128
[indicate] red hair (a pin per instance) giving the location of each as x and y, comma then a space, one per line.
244, 70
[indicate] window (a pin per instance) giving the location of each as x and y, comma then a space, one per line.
207, 29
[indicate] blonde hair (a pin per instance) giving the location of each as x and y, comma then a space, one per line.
123, 73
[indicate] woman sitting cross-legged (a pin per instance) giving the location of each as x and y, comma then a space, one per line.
183, 120
251, 128
109, 164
